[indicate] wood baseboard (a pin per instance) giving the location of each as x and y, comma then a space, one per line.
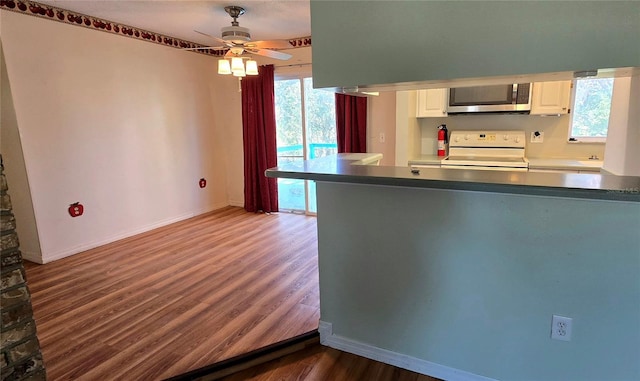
251, 359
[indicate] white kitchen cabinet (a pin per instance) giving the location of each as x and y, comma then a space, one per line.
432, 103
550, 98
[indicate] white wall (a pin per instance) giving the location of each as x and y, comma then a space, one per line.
124, 126
227, 118
382, 120
407, 128
623, 138
15, 171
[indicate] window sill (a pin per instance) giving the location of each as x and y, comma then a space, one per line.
587, 141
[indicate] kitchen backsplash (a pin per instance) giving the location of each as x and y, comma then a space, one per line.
555, 130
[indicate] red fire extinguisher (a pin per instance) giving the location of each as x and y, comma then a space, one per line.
443, 140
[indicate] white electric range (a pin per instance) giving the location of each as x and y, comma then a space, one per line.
487, 150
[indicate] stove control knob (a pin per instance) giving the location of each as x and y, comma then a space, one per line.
457, 139
505, 137
467, 137
517, 140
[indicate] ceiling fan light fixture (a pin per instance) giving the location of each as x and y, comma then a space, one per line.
224, 67
236, 34
252, 67
237, 64
237, 42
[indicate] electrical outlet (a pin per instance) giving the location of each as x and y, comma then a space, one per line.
537, 136
382, 138
561, 328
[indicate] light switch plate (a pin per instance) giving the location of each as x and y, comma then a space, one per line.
537, 136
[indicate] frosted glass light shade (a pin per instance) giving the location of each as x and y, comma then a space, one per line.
252, 67
224, 67
237, 64
239, 73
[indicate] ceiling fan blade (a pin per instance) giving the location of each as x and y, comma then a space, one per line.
272, 44
226, 43
206, 47
270, 54
203, 33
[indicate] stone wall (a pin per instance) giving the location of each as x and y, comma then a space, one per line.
20, 356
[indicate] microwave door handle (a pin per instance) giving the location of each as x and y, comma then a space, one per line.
514, 94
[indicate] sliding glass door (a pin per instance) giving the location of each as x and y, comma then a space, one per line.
306, 129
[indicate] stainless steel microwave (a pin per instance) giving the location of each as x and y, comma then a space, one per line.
512, 98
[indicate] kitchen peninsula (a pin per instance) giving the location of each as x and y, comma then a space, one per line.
457, 273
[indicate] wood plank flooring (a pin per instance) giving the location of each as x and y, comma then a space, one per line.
319, 363
177, 298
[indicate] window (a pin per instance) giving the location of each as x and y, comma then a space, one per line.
591, 109
305, 129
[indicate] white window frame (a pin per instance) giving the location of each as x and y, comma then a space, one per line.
582, 139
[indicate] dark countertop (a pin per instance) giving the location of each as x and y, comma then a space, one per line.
572, 185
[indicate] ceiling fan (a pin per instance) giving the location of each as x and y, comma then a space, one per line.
238, 40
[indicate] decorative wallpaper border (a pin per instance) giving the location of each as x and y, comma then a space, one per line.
33, 8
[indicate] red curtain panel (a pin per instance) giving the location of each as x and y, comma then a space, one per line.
351, 123
259, 136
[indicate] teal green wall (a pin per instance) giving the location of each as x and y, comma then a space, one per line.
383, 42
471, 280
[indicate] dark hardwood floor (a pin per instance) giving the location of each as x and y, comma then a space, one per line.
318, 363
177, 298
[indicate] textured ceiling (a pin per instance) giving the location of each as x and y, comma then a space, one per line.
267, 20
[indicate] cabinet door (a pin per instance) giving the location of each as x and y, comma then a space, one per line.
431, 103
550, 98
